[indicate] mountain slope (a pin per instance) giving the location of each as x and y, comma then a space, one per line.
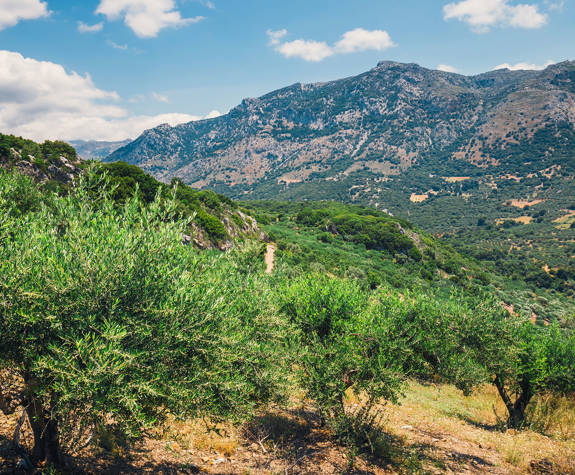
487, 161
384, 122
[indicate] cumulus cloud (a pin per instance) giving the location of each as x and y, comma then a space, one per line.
364, 40
308, 50
41, 100
145, 17
524, 66
13, 11
352, 41
85, 28
482, 15
447, 68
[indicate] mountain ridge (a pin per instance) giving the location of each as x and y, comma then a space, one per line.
412, 110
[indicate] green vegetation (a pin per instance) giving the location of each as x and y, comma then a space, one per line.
106, 315
13, 148
206, 207
378, 248
55, 165
538, 361
113, 324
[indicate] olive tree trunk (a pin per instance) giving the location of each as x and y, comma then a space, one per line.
516, 409
47, 447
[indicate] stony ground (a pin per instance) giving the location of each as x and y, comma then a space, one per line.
435, 430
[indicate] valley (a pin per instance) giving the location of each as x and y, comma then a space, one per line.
347, 315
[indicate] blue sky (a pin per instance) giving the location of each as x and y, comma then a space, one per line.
131, 64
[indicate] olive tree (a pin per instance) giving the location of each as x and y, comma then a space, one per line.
339, 348
373, 342
540, 360
108, 318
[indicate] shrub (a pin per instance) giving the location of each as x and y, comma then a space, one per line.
107, 317
541, 360
339, 349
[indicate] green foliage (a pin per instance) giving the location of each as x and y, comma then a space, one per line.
19, 195
13, 148
384, 251
340, 347
213, 226
202, 206
371, 343
108, 317
540, 360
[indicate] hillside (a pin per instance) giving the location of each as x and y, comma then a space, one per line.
487, 160
216, 221
383, 122
374, 248
123, 349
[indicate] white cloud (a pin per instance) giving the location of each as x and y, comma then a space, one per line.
276, 36
308, 50
524, 66
213, 114
117, 46
351, 42
364, 40
145, 17
447, 68
481, 15
13, 11
160, 97
85, 28
41, 100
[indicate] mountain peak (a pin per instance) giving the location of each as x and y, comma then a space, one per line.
379, 124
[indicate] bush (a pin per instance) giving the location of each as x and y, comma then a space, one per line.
540, 360
339, 347
107, 317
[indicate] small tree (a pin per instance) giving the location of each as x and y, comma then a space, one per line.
108, 318
339, 347
373, 342
542, 359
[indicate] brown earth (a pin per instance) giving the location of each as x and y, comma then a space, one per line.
435, 430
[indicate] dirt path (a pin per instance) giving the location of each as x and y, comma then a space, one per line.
270, 258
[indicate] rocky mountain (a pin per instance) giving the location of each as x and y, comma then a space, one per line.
379, 124
95, 149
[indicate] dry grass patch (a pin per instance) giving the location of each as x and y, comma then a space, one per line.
415, 198
442, 417
523, 203
435, 430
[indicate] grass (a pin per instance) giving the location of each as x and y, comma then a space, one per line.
442, 417
436, 429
